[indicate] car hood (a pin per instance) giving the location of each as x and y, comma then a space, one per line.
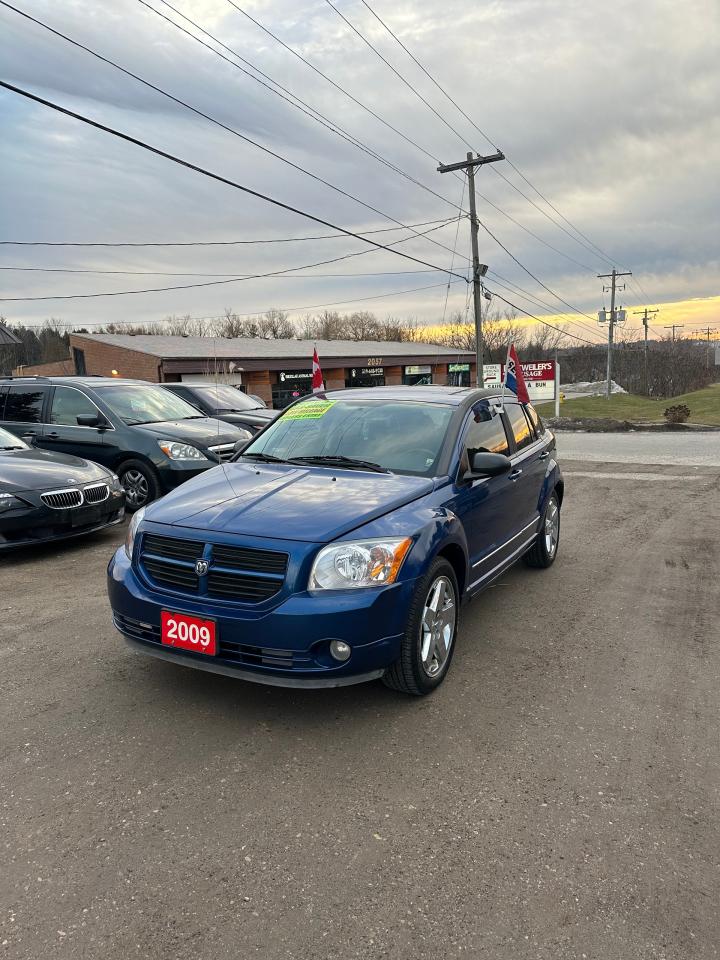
43, 470
258, 418
204, 431
285, 502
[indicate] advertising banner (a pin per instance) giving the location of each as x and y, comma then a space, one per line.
539, 378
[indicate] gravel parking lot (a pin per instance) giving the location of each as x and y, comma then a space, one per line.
556, 798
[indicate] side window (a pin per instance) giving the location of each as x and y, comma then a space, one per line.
519, 425
535, 419
486, 433
69, 404
24, 405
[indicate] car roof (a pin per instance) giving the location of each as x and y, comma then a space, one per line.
76, 381
454, 396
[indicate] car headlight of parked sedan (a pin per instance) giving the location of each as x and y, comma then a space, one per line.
359, 563
9, 502
116, 487
181, 451
132, 531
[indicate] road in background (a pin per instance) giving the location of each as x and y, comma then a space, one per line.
556, 798
682, 449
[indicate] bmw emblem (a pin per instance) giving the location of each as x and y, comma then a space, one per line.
201, 567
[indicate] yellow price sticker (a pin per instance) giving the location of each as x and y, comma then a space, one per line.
310, 410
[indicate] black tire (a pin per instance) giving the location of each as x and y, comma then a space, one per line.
543, 552
140, 482
409, 674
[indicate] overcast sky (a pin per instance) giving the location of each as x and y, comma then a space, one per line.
609, 108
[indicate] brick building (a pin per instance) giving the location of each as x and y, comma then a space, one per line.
276, 370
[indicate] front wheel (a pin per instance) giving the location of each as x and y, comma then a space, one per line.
543, 552
428, 643
140, 484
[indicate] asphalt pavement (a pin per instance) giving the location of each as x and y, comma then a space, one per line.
556, 798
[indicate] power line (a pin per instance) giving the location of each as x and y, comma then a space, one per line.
302, 105
545, 323
256, 313
213, 176
210, 243
210, 283
249, 276
206, 116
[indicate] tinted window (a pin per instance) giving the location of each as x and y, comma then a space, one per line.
145, 403
224, 399
519, 425
24, 405
535, 419
486, 433
69, 404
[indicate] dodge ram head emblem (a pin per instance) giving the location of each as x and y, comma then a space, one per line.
201, 567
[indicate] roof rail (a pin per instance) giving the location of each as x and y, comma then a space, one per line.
23, 376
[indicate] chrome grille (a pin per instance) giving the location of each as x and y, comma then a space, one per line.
62, 499
223, 451
242, 574
96, 492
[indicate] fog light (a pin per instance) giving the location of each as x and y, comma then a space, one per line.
339, 650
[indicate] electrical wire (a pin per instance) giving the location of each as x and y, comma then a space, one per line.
545, 323
210, 243
207, 116
302, 105
210, 283
452, 262
213, 176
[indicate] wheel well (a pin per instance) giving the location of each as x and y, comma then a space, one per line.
456, 558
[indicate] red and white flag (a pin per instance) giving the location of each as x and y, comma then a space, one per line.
514, 379
318, 383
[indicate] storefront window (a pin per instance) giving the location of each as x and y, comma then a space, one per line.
291, 385
459, 375
365, 377
417, 376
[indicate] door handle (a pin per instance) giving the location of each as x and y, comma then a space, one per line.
544, 455
516, 473
53, 436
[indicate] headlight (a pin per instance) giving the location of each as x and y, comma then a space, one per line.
9, 502
132, 531
116, 488
180, 451
358, 563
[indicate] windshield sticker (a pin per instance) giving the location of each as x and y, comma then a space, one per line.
312, 410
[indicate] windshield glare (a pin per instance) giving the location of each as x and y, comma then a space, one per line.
8, 439
399, 435
224, 397
134, 403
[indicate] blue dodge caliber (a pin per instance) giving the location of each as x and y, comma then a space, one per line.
340, 544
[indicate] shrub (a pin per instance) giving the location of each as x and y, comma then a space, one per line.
677, 413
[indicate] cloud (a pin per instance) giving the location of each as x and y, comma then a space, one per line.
609, 108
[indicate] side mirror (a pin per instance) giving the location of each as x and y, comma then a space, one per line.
487, 465
91, 420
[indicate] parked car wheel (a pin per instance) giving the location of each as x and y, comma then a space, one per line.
140, 483
429, 640
544, 550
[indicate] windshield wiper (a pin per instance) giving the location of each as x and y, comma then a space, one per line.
265, 457
12, 448
336, 460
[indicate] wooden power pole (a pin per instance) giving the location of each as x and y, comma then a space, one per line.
645, 314
613, 318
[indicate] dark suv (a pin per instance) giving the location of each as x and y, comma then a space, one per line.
226, 403
150, 438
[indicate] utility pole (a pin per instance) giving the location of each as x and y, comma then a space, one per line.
479, 269
674, 327
707, 331
613, 319
645, 313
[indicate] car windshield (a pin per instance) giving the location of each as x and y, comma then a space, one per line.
224, 398
398, 435
8, 441
140, 403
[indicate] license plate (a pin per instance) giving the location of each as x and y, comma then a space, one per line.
188, 633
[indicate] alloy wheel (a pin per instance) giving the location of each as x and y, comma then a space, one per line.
136, 488
552, 527
437, 627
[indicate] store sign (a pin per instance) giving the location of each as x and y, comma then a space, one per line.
375, 361
460, 368
539, 378
367, 372
420, 369
294, 376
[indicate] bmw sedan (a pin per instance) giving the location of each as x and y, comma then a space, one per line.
50, 496
341, 543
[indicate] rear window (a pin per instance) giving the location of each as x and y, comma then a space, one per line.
24, 405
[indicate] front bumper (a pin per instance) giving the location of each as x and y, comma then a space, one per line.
40, 524
287, 645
